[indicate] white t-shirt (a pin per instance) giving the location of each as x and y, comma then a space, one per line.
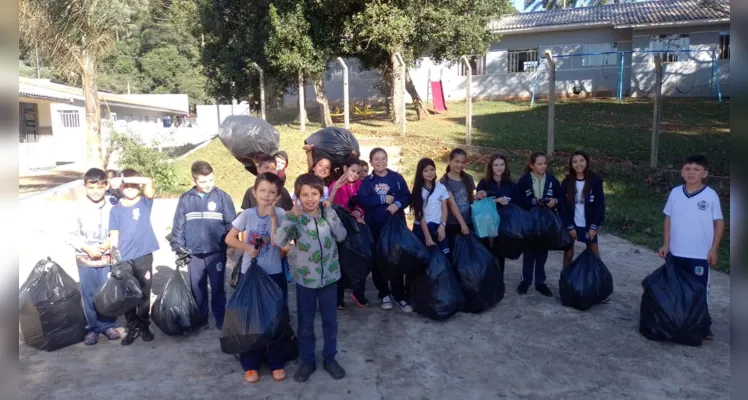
579, 218
692, 219
432, 203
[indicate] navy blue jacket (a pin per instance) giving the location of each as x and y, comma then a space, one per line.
373, 191
526, 196
496, 189
594, 205
201, 223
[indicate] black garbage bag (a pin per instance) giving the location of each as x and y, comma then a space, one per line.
175, 311
247, 138
586, 282
478, 273
436, 291
50, 310
290, 345
399, 251
356, 252
515, 223
550, 232
120, 293
509, 248
333, 143
256, 314
673, 306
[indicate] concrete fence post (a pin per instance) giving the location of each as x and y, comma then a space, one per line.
346, 99
468, 101
551, 140
262, 89
403, 71
657, 113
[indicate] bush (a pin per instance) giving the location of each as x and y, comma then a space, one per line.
134, 153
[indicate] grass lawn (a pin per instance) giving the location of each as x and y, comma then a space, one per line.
617, 136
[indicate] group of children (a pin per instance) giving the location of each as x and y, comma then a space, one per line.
293, 236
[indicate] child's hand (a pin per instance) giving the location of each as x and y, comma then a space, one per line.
464, 229
308, 147
360, 221
713, 257
551, 203
94, 253
429, 241
389, 199
480, 195
573, 234
297, 210
252, 252
356, 214
591, 234
392, 209
503, 201
441, 232
326, 204
663, 251
340, 182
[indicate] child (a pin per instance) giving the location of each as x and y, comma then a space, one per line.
111, 191
537, 189
259, 223
693, 224
201, 221
281, 162
364, 170
429, 204
267, 164
314, 258
384, 194
130, 228
497, 183
343, 192
461, 187
321, 168
89, 238
584, 208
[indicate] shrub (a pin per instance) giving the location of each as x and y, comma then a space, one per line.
134, 153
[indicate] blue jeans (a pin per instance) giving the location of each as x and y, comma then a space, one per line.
91, 281
533, 260
433, 227
306, 306
204, 268
276, 352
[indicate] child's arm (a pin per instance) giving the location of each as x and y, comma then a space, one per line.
599, 216
147, 183
177, 228
229, 212
403, 198
426, 233
309, 157
719, 230
232, 239
288, 230
458, 215
525, 196
666, 238
336, 225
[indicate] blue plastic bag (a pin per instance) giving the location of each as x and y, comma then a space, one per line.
485, 218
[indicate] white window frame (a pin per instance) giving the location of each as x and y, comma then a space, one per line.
674, 42
514, 63
477, 64
600, 59
723, 47
69, 118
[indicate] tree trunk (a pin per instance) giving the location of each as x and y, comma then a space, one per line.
93, 111
324, 105
397, 95
421, 110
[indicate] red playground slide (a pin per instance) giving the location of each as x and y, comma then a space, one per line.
437, 95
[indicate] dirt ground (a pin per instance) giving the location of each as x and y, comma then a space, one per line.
40, 181
527, 347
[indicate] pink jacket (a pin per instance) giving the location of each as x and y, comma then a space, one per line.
344, 195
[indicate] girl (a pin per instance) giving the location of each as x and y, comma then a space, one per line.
314, 258
498, 183
461, 187
429, 205
537, 189
364, 170
343, 192
322, 169
259, 223
384, 194
584, 209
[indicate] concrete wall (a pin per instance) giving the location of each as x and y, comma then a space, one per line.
210, 116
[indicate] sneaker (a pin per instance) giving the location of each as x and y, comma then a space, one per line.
606, 301
251, 376
91, 338
386, 303
279, 375
360, 300
341, 306
130, 336
112, 334
304, 372
709, 335
146, 334
544, 290
335, 370
405, 306
522, 288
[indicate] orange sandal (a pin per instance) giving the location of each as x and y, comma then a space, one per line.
279, 375
251, 376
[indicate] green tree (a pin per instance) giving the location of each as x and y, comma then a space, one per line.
75, 35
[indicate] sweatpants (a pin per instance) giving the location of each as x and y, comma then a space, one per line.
395, 286
307, 301
140, 316
275, 352
533, 260
91, 280
699, 269
209, 267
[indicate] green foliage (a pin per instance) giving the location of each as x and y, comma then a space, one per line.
289, 47
133, 153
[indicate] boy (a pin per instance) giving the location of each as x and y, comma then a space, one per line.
364, 170
111, 191
201, 221
267, 164
693, 224
130, 228
88, 237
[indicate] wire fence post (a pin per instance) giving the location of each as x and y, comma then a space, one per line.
402, 73
655, 146
468, 100
262, 90
620, 78
551, 103
302, 105
346, 99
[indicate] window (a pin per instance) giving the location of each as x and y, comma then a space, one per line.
522, 60
147, 119
723, 51
599, 59
128, 118
28, 122
669, 43
477, 64
70, 118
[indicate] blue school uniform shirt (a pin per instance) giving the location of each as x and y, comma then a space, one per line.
136, 236
374, 190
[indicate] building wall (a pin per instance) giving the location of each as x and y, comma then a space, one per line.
210, 116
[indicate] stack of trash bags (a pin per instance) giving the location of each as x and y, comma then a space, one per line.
399, 251
335, 144
175, 311
50, 310
673, 306
585, 283
356, 252
478, 273
436, 292
247, 138
550, 232
516, 230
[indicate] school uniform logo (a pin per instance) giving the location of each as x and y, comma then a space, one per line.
702, 205
382, 188
698, 270
136, 214
212, 206
219, 267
